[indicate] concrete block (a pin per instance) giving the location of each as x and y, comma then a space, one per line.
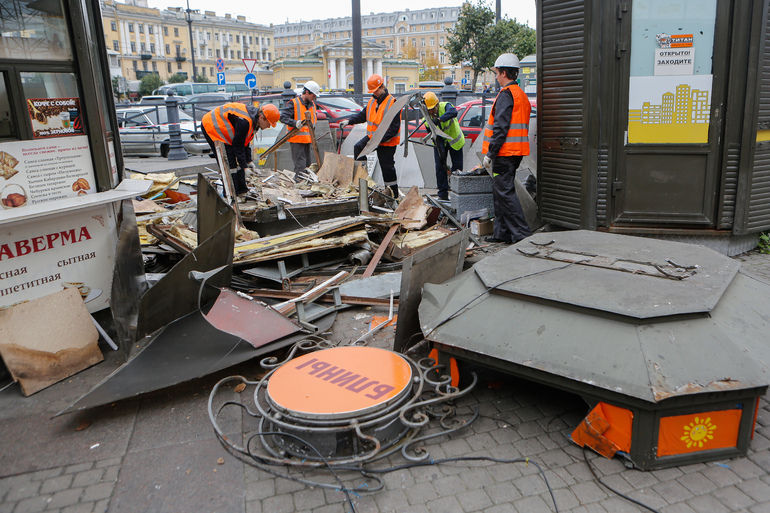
468, 202
470, 184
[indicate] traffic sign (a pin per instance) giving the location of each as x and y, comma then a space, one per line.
220, 79
220, 65
464, 81
249, 63
250, 80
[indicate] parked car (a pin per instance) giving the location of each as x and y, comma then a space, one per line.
144, 131
156, 100
197, 105
472, 117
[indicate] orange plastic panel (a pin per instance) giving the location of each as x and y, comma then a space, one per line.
682, 434
339, 381
606, 429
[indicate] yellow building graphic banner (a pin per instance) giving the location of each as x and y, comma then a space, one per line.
669, 109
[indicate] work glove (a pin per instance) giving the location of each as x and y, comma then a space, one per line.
487, 163
251, 165
343, 124
298, 123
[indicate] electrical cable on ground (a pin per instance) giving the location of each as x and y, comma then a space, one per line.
630, 499
367, 473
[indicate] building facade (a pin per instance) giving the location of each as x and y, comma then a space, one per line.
148, 40
390, 37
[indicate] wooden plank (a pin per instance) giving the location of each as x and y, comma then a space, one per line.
48, 339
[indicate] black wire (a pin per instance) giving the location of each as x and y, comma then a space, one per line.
325, 461
598, 480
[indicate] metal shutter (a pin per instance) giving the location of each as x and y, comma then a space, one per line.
561, 111
758, 211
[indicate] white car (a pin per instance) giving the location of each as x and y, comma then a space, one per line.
144, 132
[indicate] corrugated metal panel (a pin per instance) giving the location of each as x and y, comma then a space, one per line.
758, 211
731, 186
561, 108
602, 201
764, 88
759, 192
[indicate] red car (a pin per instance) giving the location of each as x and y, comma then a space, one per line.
472, 118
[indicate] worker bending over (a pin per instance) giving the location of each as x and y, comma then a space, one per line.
444, 116
235, 125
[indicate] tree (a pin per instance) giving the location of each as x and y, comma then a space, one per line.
177, 78
410, 52
116, 86
202, 79
431, 68
149, 83
478, 40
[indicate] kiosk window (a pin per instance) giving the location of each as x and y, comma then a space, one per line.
34, 30
7, 126
49, 85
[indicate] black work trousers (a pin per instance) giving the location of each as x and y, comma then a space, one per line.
300, 155
510, 224
442, 178
238, 174
386, 158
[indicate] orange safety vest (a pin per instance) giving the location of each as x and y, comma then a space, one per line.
299, 114
517, 139
374, 117
219, 128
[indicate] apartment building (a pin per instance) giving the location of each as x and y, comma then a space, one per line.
146, 40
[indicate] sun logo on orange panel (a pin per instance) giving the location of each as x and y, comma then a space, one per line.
698, 432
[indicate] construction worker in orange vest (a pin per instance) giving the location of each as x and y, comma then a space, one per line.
292, 115
235, 125
375, 110
506, 142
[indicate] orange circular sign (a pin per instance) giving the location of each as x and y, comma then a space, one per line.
339, 382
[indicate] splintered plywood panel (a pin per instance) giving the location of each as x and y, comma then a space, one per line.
340, 170
47, 340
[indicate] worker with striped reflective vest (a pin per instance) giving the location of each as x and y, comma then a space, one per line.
444, 116
373, 115
293, 115
235, 125
506, 142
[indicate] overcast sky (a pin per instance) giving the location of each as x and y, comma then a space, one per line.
266, 12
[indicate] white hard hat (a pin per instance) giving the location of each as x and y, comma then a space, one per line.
313, 87
507, 60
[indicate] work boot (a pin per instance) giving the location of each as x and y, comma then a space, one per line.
394, 190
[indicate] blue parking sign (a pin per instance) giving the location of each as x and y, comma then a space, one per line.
220, 79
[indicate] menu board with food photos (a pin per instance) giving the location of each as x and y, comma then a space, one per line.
55, 117
34, 172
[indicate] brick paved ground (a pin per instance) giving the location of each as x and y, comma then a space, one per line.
158, 453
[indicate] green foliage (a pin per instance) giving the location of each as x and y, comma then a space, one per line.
116, 86
764, 243
478, 40
177, 78
149, 83
202, 79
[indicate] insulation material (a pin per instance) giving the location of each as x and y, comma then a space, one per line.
682, 434
48, 339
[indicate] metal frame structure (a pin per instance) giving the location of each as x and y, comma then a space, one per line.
293, 440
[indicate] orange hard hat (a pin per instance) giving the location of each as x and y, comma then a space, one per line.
374, 82
271, 114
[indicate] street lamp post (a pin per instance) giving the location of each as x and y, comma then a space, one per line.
192, 45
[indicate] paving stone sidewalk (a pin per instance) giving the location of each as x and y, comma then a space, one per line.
158, 453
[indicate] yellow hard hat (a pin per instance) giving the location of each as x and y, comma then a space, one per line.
430, 99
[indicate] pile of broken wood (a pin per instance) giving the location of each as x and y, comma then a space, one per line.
334, 219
